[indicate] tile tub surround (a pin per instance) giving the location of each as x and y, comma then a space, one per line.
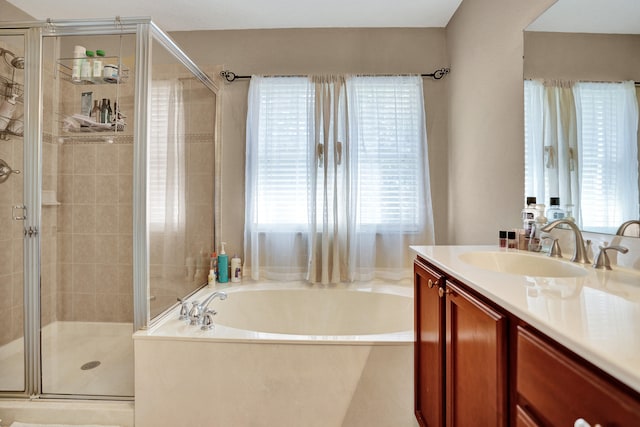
257, 378
596, 316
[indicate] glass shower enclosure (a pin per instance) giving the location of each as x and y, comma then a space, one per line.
106, 198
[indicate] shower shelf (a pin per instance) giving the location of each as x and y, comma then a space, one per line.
65, 66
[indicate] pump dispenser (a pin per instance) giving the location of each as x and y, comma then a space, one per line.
223, 264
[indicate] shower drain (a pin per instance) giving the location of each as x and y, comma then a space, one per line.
90, 365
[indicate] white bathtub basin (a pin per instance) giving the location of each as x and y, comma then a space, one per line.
333, 312
522, 264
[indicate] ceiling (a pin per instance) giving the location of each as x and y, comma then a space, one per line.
591, 16
610, 16
188, 15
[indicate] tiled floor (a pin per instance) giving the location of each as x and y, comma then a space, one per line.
66, 347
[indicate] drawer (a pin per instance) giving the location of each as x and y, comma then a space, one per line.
556, 390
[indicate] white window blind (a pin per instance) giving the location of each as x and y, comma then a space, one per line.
389, 124
159, 134
388, 117
602, 154
283, 180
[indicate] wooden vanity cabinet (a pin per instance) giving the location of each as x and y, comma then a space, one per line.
429, 346
456, 330
476, 361
555, 388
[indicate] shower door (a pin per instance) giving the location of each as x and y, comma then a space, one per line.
12, 239
86, 261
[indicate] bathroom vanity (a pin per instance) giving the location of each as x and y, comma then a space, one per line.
496, 348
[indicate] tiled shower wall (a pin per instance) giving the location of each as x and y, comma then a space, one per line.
95, 273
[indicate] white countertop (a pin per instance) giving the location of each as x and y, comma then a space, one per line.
597, 315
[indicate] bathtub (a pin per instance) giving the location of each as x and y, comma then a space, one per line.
282, 355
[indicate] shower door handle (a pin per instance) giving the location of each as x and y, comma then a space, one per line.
16, 208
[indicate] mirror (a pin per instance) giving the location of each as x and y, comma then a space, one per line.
588, 41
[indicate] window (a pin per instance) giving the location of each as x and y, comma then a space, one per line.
388, 152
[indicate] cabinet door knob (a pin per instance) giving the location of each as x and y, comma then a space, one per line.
432, 283
580, 422
442, 291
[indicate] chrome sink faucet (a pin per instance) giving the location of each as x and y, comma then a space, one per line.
198, 310
580, 252
623, 227
602, 260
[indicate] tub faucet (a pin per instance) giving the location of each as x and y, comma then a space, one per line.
623, 227
580, 252
198, 310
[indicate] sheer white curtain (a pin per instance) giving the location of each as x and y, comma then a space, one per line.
552, 146
581, 144
167, 176
336, 178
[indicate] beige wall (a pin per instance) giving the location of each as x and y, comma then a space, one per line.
9, 12
304, 51
486, 154
580, 56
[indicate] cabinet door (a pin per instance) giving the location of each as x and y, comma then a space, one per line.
476, 361
558, 389
429, 347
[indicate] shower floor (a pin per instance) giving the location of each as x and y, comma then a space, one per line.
67, 348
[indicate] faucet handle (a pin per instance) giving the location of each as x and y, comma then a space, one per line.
184, 309
195, 313
207, 319
554, 250
602, 260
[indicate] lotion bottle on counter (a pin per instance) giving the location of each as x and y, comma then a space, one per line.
236, 269
223, 265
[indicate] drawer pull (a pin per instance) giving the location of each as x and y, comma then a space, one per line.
442, 292
432, 283
580, 422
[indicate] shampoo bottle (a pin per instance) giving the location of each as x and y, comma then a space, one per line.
223, 265
236, 268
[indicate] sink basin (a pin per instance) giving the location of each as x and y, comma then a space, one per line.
522, 264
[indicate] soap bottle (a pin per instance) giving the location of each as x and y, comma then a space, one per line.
529, 214
7, 109
213, 265
236, 269
97, 66
535, 239
223, 265
554, 212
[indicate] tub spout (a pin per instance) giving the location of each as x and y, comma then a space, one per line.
198, 310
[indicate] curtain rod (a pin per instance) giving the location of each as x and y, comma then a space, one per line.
590, 81
230, 76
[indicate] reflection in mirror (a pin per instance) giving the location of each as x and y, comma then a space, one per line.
581, 111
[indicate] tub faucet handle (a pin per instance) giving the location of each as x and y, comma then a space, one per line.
207, 320
184, 309
195, 313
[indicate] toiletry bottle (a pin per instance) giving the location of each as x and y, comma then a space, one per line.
223, 265
103, 111
213, 265
554, 212
528, 218
236, 268
95, 111
7, 109
97, 66
86, 70
109, 111
502, 235
512, 242
211, 279
535, 239
78, 54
